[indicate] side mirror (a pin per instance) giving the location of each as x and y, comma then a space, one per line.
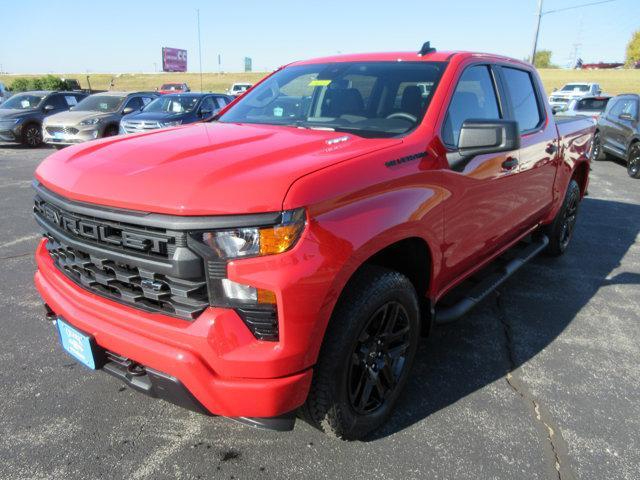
48, 108
478, 137
554, 110
128, 110
206, 112
626, 116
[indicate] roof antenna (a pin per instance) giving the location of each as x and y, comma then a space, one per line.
426, 48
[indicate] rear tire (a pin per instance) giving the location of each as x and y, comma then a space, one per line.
560, 230
633, 160
366, 355
32, 135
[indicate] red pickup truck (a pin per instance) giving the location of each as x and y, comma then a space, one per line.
286, 257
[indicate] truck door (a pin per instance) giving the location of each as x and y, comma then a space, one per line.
479, 211
533, 181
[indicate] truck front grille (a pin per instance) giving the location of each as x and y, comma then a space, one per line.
129, 284
113, 254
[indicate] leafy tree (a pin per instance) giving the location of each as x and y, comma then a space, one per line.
20, 85
48, 82
543, 59
633, 49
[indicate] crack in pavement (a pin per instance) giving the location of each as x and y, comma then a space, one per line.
557, 447
18, 255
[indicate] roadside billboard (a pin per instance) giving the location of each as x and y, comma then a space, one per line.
174, 60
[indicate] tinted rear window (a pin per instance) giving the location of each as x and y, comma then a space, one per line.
592, 104
523, 98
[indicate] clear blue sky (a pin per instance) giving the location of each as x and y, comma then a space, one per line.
38, 36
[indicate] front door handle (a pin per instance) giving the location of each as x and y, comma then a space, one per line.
510, 163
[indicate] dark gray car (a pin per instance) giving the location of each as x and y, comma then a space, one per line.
618, 132
21, 116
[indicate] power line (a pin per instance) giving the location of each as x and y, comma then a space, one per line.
540, 14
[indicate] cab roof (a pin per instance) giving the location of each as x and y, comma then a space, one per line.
408, 57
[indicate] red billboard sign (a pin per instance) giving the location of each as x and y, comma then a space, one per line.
174, 60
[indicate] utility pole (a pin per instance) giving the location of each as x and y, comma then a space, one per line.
199, 48
532, 58
541, 14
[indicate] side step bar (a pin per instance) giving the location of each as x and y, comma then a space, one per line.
489, 283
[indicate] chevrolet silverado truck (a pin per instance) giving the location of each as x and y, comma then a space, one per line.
284, 259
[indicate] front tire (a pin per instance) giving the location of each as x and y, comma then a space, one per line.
633, 161
110, 131
560, 230
366, 356
32, 135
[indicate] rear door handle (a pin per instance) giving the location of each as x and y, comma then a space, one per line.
510, 163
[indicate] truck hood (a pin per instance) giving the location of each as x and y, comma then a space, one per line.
200, 169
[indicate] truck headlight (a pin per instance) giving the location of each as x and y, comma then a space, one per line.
256, 241
256, 306
90, 121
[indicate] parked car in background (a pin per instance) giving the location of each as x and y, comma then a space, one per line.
618, 132
4, 93
173, 88
588, 106
174, 109
238, 89
96, 116
22, 115
571, 91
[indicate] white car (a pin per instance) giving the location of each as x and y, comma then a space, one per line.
591, 106
559, 99
238, 89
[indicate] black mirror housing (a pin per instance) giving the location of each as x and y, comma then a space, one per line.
127, 111
479, 136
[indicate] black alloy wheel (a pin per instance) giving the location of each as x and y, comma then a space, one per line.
379, 358
633, 162
32, 136
569, 216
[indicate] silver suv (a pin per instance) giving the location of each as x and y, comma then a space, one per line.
96, 116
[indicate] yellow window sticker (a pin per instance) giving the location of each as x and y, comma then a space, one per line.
319, 83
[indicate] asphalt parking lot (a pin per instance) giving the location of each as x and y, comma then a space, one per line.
541, 381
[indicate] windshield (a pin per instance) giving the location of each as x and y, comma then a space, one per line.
374, 99
99, 103
174, 104
575, 87
172, 86
24, 101
592, 104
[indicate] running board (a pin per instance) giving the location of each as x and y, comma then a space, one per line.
515, 258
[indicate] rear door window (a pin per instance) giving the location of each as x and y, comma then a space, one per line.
474, 98
524, 101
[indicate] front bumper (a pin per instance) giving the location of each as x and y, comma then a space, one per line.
69, 135
215, 357
11, 135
